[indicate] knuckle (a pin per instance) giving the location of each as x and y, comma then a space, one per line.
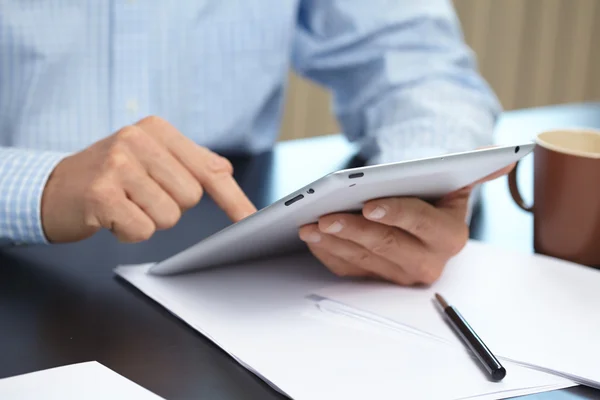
345, 270
422, 223
227, 166
169, 219
459, 240
339, 271
400, 278
129, 134
420, 265
98, 198
220, 166
100, 194
429, 271
92, 217
140, 234
191, 197
360, 258
152, 120
90, 220
409, 282
386, 243
199, 192
116, 159
432, 276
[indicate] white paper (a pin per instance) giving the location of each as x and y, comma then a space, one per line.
533, 309
88, 380
441, 351
258, 313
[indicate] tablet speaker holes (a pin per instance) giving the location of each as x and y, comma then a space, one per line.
295, 199
356, 175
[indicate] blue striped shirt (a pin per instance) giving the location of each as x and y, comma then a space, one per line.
404, 83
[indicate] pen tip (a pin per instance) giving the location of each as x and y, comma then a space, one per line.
441, 300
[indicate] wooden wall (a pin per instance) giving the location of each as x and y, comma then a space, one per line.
532, 52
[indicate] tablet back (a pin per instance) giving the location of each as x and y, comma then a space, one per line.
274, 229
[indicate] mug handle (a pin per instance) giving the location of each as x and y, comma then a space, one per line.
514, 189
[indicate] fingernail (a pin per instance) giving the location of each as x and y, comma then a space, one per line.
377, 213
312, 237
335, 227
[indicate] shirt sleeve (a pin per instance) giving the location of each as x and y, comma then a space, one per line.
23, 176
404, 83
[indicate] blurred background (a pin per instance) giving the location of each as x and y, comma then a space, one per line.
532, 52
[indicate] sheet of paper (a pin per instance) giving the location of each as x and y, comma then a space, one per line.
88, 380
529, 308
259, 314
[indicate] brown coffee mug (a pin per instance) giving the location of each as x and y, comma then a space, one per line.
566, 209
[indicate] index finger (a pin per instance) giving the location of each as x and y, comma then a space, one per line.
216, 176
214, 172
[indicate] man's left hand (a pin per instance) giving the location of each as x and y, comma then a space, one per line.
403, 240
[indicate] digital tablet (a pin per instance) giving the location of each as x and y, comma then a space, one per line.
274, 229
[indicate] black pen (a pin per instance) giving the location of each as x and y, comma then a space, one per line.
472, 340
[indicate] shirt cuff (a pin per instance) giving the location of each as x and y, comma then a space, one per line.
23, 177
425, 138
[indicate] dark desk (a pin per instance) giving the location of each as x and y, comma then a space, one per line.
62, 304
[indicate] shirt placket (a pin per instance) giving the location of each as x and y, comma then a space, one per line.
130, 66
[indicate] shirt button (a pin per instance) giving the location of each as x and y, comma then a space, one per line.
132, 106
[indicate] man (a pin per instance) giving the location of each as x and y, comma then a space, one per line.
172, 80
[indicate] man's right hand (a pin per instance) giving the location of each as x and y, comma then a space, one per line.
134, 182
